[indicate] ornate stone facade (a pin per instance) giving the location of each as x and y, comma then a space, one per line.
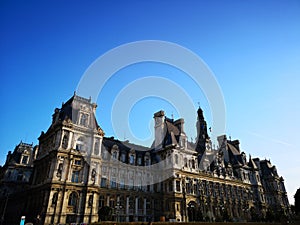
78, 175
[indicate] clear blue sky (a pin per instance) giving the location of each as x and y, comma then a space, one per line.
253, 48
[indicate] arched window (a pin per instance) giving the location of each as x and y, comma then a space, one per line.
73, 198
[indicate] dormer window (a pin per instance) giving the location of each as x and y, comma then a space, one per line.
147, 159
131, 159
24, 159
83, 119
139, 160
123, 157
115, 155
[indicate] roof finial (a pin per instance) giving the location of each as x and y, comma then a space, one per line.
198, 104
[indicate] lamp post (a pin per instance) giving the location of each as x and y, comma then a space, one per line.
118, 207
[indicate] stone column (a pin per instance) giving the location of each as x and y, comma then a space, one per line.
127, 209
145, 209
107, 200
70, 140
136, 207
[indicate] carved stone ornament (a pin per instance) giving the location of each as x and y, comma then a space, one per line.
100, 131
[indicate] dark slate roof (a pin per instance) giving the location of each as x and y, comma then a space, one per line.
15, 157
126, 146
67, 110
251, 163
268, 169
172, 132
123, 145
234, 155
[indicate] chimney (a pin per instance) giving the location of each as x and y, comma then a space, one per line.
8, 157
160, 128
222, 140
180, 125
236, 144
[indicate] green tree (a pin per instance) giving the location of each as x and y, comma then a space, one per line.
105, 213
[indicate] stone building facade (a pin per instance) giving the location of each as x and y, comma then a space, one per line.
79, 175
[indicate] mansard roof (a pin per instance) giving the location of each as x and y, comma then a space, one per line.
69, 111
123, 145
15, 157
268, 169
173, 131
233, 149
251, 163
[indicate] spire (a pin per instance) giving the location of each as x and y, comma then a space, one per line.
202, 135
200, 114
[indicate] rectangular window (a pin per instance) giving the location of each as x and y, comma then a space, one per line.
83, 119
130, 184
123, 157
113, 183
139, 161
101, 201
103, 182
178, 185
77, 162
24, 159
75, 176
122, 183
195, 189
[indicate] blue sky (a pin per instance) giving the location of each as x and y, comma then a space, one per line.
251, 46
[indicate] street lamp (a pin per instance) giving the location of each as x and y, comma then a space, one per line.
118, 207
